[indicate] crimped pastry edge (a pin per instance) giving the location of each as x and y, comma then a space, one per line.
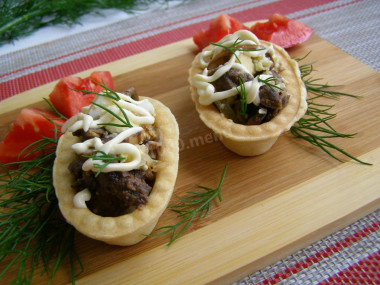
131, 228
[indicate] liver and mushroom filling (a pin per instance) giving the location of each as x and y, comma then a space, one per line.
272, 97
117, 193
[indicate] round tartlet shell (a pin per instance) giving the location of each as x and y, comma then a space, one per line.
131, 228
255, 140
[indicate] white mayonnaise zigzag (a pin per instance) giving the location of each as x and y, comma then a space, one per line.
139, 113
114, 147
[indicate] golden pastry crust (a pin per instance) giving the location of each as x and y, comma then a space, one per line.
131, 228
255, 139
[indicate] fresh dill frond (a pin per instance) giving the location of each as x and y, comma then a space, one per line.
107, 92
125, 121
32, 228
105, 158
194, 205
324, 89
315, 127
243, 97
60, 116
268, 81
233, 48
21, 18
110, 94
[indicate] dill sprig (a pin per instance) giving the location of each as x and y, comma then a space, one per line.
314, 86
125, 121
315, 126
60, 116
21, 18
233, 48
108, 93
32, 229
268, 81
194, 205
105, 158
243, 97
316, 129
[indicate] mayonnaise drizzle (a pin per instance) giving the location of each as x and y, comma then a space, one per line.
81, 197
202, 81
140, 113
114, 147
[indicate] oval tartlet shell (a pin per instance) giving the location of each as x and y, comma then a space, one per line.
254, 140
131, 228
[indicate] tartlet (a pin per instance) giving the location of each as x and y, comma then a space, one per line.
250, 140
130, 228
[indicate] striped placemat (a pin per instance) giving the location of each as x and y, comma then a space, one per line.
25, 69
351, 255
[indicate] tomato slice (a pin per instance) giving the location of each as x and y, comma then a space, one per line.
200, 39
30, 126
101, 77
68, 101
282, 31
219, 27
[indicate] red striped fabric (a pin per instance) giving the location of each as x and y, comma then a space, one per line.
49, 74
364, 272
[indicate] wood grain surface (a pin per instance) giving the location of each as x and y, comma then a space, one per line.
273, 204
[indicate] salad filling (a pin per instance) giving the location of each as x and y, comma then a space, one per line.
116, 158
242, 79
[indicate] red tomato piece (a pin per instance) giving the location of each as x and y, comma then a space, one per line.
30, 126
200, 39
282, 31
219, 27
69, 101
101, 77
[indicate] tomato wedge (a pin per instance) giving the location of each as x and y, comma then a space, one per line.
282, 31
219, 27
30, 126
68, 101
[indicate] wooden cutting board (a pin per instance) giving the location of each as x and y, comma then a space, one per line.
273, 204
